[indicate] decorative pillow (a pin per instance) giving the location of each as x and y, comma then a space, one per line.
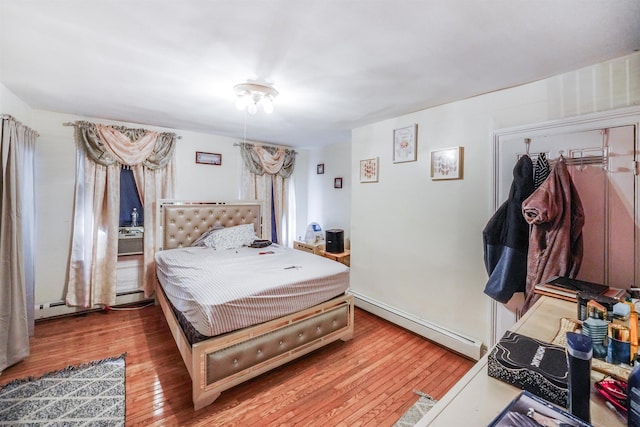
200, 241
232, 237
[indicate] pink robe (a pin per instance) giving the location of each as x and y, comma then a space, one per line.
556, 217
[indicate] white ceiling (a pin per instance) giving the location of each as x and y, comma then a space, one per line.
338, 64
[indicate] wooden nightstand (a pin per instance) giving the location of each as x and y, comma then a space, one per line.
312, 248
343, 257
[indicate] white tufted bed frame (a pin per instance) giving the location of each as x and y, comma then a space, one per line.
224, 361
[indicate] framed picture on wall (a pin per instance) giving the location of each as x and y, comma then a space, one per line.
369, 170
404, 144
320, 169
447, 163
337, 183
208, 158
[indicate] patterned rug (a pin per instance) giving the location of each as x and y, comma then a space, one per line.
91, 394
417, 410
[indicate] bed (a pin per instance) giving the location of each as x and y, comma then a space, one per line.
235, 333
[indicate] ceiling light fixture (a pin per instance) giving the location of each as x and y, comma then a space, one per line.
250, 95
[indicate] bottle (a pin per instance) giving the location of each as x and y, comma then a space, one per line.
633, 332
134, 217
618, 344
579, 354
633, 397
597, 328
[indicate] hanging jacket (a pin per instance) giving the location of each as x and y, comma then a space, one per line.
506, 238
556, 216
541, 170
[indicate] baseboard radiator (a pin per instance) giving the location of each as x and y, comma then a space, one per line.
459, 343
59, 308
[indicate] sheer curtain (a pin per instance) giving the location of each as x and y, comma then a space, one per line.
94, 248
101, 151
17, 231
266, 176
153, 184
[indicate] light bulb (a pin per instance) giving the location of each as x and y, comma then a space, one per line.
251, 96
267, 105
241, 102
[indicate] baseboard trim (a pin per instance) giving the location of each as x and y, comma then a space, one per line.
459, 343
59, 308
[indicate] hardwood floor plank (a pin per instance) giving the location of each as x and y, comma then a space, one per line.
366, 381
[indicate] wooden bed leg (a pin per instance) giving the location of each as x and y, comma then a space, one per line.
347, 337
205, 399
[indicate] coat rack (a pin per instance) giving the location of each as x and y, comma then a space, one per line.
581, 157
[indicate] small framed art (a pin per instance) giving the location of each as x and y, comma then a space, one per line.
369, 170
447, 163
337, 182
320, 168
208, 158
404, 144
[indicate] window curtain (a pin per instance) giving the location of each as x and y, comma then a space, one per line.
17, 235
266, 176
101, 152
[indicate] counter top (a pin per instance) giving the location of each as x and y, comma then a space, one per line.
477, 399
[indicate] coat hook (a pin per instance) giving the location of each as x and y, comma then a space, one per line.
527, 142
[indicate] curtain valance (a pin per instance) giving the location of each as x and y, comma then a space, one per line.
263, 159
108, 145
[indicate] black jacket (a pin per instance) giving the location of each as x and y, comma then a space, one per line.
506, 238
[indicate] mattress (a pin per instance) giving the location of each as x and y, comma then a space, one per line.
219, 291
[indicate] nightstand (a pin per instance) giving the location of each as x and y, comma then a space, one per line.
343, 257
312, 248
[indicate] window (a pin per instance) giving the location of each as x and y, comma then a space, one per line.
129, 198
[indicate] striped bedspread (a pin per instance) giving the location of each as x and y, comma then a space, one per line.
222, 291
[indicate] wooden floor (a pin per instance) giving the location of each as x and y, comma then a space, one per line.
366, 381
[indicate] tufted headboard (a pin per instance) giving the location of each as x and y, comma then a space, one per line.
182, 222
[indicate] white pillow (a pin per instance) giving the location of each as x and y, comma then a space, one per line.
200, 241
231, 237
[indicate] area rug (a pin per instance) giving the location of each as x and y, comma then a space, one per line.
91, 394
417, 410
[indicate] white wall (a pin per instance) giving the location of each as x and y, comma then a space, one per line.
55, 184
207, 182
11, 104
328, 206
417, 243
301, 182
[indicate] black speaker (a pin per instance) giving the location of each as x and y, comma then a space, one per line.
335, 241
